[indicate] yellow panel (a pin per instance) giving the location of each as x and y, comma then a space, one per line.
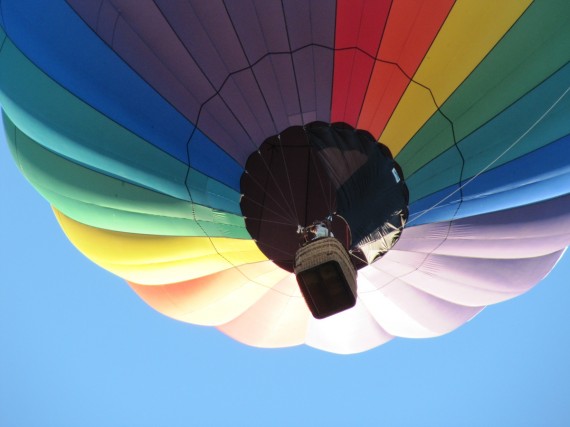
471, 30
152, 260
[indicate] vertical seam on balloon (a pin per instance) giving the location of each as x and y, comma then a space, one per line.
375, 62
308, 177
3, 42
237, 267
411, 78
524, 134
300, 107
129, 130
2, 23
291, 55
107, 173
216, 93
333, 49
251, 68
98, 14
115, 24
482, 125
462, 82
513, 103
290, 220
151, 86
455, 142
323, 190
351, 80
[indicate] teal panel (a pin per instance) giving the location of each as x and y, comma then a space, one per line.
101, 201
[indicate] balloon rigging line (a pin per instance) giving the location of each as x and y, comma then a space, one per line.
290, 217
324, 193
377, 60
295, 212
261, 205
488, 166
293, 63
291, 210
450, 223
250, 68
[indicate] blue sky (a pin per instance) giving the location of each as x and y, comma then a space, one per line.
79, 348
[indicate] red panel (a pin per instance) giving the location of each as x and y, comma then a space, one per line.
410, 31
359, 25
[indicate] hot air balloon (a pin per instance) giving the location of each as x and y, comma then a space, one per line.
188, 147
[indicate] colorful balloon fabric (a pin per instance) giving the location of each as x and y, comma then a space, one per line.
135, 120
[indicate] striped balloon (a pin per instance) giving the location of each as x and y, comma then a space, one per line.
135, 119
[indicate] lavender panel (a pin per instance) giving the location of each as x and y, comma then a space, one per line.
435, 314
526, 231
466, 281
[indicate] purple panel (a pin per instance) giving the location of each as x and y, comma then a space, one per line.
243, 97
139, 33
260, 26
207, 32
313, 67
310, 22
224, 128
434, 313
465, 281
188, 50
277, 80
297, 91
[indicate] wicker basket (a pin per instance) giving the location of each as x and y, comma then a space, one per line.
326, 277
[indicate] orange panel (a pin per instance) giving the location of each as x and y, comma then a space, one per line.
410, 30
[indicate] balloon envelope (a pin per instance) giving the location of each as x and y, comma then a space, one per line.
135, 120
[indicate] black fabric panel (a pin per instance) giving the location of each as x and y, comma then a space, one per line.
307, 173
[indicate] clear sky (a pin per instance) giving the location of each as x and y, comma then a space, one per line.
79, 348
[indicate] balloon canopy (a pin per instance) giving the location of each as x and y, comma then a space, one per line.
136, 120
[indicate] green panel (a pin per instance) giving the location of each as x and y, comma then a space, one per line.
444, 171
101, 201
438, 129
209, 192
536, 120
66, 125
522, 128
535, 48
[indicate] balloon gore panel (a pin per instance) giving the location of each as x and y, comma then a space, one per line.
308, 173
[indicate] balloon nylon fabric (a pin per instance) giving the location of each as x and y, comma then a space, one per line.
135, 120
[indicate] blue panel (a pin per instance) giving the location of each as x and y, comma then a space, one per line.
540, 175
64, 47
211, 160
